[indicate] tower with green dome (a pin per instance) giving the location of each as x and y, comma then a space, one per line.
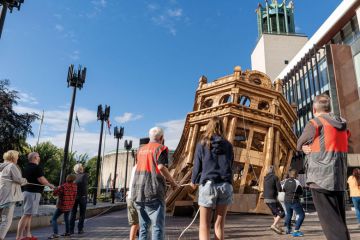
276, 17
278, 42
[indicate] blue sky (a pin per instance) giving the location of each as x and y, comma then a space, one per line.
144, 58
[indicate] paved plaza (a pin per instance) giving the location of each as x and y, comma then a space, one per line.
238, 226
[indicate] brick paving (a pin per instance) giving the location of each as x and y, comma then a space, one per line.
238, 226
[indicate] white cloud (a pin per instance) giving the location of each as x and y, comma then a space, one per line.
99, 3
128, 117
58, 16
75, 55
172, 132
57, 120
26, 98
152, 7
175, 13
59, 27
166, 17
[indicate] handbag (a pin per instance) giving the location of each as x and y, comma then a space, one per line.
281, 196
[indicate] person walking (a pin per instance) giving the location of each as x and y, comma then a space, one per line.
67, 194
271, 189
213, 160
10, 190
293, 192
325, 143
149, 187
81, 199
354, 186
32, 193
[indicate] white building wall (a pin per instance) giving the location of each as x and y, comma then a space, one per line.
272, 51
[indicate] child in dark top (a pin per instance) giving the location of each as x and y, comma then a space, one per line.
67, 195
293, 192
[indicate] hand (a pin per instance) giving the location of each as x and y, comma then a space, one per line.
193, 186
306, 149
51, 186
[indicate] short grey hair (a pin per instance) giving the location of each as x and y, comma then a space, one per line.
78, 168
156, 133
32, 155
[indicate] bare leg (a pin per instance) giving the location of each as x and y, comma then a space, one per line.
221, 211
28, 227
133, 230
21, 226
204, 231
276, 220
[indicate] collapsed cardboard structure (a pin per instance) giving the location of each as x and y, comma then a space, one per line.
258, 122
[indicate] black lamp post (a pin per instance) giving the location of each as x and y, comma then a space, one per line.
127, 146
118, 134
8, 4
76, 80
102, 116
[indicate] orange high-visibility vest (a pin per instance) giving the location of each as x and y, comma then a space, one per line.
148, 183
327, 162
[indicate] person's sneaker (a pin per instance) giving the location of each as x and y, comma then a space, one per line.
54, 236
276, 229
288, 231
297, 234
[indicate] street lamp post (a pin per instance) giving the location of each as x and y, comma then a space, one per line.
8, 4
118, 134
128, 146
76, 80
102, 116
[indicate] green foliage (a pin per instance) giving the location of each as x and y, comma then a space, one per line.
14, 127
90, 168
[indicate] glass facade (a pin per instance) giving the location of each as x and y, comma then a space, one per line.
308, 79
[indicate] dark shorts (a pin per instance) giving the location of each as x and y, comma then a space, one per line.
276, 209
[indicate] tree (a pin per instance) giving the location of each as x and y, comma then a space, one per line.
90, 168
14, 127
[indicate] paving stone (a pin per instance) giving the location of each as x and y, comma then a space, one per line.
238, 226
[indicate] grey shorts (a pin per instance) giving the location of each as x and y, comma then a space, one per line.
133, 217
31, 203
212, 194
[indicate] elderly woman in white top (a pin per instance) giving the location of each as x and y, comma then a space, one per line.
10, 190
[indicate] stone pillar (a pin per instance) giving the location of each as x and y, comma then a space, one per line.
192, 145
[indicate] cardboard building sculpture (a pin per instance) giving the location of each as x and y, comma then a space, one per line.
258, 122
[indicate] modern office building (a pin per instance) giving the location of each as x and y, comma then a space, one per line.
329, 63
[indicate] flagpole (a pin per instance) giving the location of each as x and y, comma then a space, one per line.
41, 123
73, 135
